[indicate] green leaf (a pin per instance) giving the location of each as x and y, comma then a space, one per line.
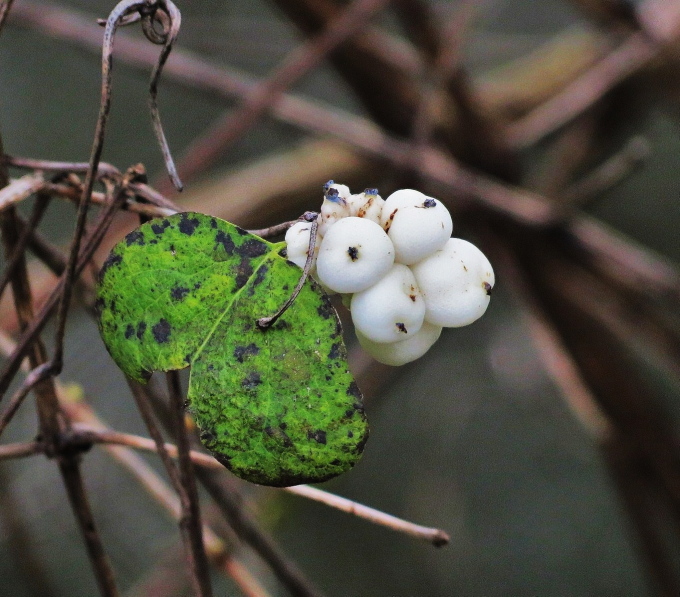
277, 406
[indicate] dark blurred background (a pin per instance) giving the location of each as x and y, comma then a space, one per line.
476, 438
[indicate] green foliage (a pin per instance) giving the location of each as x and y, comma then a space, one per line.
277, 406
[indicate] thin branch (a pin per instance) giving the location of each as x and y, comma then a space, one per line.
203, 152
586, 90
190, 521
103, 169
20, 189
4, 12
609, 173
22, 450
70, 472
437, 537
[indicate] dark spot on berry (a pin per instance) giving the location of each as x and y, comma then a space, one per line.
160, 228
401, 327
353, 253
111, 260
328, 186
412, 297
129, 331
161, 331
429, 203
487, 287
318, 436
252, 248
179, 292
241, 352
389, 220
134, 238
225, 240
370, 191
252, 381
188, 225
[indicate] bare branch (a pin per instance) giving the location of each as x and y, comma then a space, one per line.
9, 451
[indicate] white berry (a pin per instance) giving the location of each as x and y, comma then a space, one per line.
368, 204
355, 253
335, 205
456, 283
417, 225
297, 243
400, 353
392, 309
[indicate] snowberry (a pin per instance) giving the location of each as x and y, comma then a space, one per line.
335, 205
392, 309
354, 254
456, 282
297, 243
405, 351
368, 204
417, 225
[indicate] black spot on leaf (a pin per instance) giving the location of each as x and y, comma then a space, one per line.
243, 272
161, 331
318, 436
179, 292
353, 390
225, 240
141, 328
336, 351
252, 381
135, 238
129, 331
241, 231
241, 352
252, 248
111, 260
350, 435
325, 309
188, 225
160, 227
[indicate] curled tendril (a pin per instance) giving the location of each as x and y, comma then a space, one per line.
152, 13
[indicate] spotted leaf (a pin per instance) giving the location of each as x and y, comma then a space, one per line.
277, 406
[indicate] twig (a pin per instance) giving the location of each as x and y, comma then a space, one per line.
609, 173
168, 39
438, 537
70, 472
190, 520
4, 12
22, 450
257, 101
103, 169
266, 322
20, 189
582, 93
14, 260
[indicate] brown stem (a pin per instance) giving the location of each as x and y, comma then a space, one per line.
190, 521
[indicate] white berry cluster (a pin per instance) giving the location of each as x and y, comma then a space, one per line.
400, 273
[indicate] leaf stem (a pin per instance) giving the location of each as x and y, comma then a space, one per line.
266, 322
